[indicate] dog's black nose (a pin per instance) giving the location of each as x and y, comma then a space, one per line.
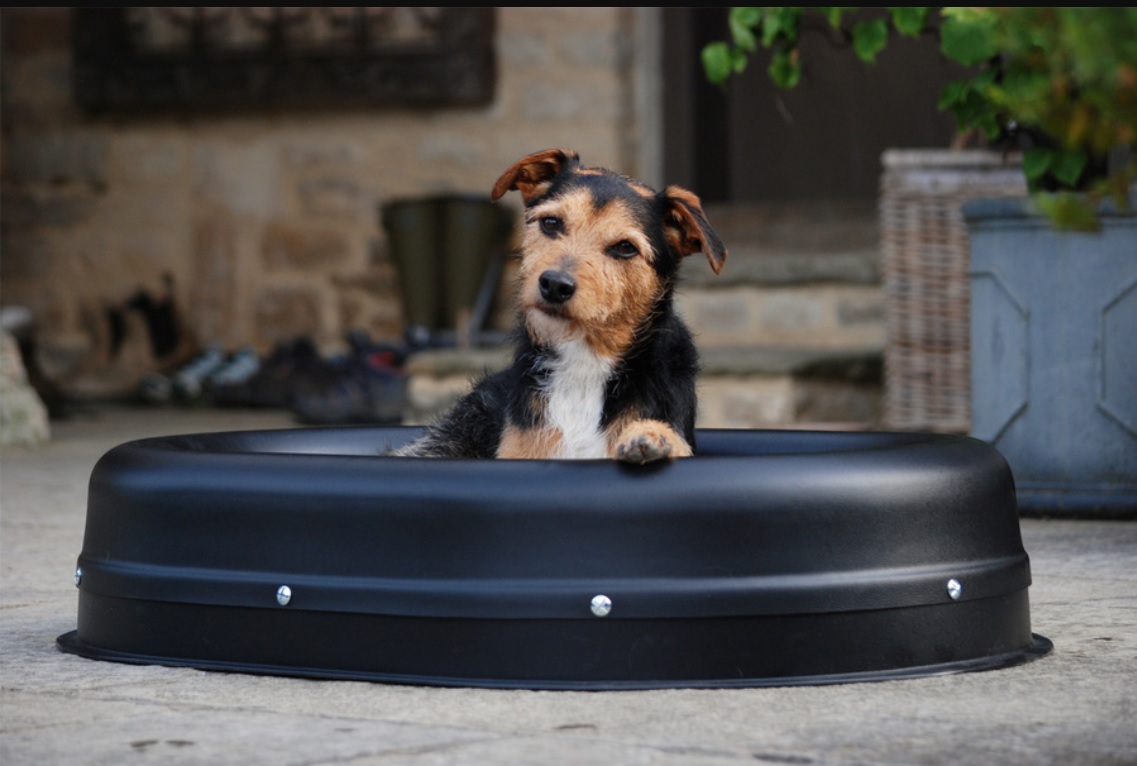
556, 286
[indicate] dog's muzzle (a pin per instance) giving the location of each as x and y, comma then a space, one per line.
556, 287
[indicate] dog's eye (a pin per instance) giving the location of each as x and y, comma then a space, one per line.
551, 225
623, 249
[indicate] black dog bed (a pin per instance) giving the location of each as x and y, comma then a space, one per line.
772, 558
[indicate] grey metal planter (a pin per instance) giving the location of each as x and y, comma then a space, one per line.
1054, 356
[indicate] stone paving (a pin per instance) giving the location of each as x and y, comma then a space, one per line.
1075, 706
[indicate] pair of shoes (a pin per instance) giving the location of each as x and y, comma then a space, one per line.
184, 383
238, 369
210, 370
274, 382
367, 385
190, 381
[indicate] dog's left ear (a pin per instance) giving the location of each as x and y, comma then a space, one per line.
687, 229
531, 175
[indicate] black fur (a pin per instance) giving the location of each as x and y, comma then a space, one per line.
656, 380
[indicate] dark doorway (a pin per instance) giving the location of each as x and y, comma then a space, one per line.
820, 142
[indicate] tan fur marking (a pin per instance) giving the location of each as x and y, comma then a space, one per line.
616, 429
528, 443
532, 175
614, 295
644, 440
684, 231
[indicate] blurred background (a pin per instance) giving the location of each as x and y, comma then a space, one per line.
288, 207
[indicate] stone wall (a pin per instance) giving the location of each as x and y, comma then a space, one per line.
268, 223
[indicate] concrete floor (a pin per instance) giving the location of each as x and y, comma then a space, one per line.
1076, 706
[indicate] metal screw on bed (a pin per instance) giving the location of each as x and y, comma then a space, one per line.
601, 605
283, 595
954, 589
78, 576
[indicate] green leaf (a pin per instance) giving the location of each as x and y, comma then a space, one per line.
909, 21
1068, 212
742, 24
738, 61
953, 94
984, 79
1067, 166
1036, 162
780, 21
968, 39
785, 69
717, 62
745, 16
869, 39
969, 103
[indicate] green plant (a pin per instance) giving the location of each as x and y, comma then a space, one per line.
1064, 76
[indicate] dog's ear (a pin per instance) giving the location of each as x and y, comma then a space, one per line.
687, 229
531, 175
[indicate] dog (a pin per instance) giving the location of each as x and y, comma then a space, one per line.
603, 365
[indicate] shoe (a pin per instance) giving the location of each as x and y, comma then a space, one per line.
276, 379
183, 383
189, 382
156, 388
365, 386
236, 370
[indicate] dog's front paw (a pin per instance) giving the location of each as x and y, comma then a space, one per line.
643, 449
647, 441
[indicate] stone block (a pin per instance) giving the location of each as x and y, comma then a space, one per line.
213, 284
53, 206
23, 255
334, 197
452, 149
748, 401
571, 102
242, 178
324, 153
286, 248
591, 49
23, 416
821, 316
523, 50
429, 396
57, 157
282, 313
380, 318
752, 263
861, 309
827, 401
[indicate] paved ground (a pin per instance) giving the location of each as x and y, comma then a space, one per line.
1077, 706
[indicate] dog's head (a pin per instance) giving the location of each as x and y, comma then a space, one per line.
600, 251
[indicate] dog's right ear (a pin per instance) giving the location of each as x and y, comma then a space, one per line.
531, 175
687, 229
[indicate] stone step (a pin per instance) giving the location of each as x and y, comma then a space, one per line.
822, 316
755, 387
739, 387
805, 277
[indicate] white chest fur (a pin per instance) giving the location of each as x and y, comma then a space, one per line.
574, 392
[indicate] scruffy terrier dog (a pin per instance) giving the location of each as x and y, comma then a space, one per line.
604, 368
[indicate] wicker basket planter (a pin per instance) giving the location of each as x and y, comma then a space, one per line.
925, 262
